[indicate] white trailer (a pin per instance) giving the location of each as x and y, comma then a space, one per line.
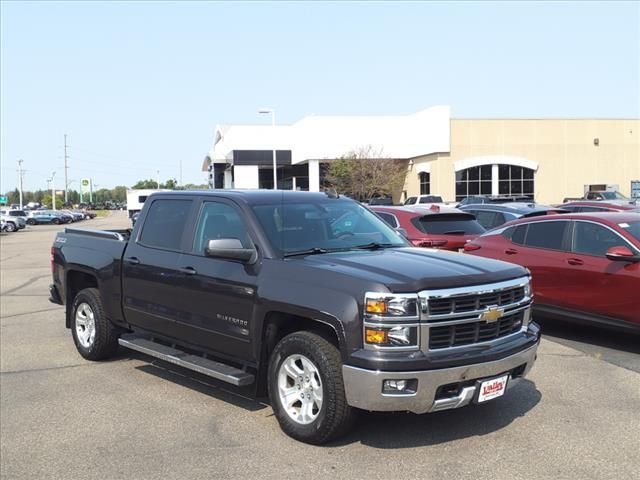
136, 199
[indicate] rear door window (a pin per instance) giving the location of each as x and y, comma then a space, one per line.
448, 224
548, 235
165, 223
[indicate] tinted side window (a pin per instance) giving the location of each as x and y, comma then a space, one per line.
518, 234
546, 235
592, 239
592, 209
165, 223
410, 201
219, 220
486, 219
388, 218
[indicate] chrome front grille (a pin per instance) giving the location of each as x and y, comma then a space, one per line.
470, 303
470, 315
474, 332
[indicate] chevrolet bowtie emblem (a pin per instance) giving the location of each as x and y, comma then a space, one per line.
492, 314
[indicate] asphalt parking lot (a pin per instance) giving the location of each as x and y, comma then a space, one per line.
577, 415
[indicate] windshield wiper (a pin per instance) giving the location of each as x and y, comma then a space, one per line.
309, 251
374, 246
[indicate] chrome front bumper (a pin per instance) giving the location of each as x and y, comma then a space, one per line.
364, 387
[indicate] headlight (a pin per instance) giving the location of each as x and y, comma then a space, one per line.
390, 305
391, 321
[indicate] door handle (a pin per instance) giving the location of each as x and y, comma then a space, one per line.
510, 251
188, 270
133, 260
574, 261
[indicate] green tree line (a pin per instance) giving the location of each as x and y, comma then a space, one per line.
115, 194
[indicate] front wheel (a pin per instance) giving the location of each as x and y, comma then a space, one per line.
31, 221
96, 338
56, 221
306, 389
10, 227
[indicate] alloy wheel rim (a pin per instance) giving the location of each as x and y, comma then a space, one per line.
85, 325
300, 389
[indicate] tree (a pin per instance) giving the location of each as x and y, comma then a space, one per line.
365, 173
149, 184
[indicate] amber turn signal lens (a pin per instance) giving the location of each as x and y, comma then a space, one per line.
376, 306
375, 336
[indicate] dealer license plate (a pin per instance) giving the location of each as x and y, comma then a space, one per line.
493, 388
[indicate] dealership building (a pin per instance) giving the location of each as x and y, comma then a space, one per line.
547, 158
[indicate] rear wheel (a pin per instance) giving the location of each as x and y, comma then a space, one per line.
306, 389
31, 221
96, 338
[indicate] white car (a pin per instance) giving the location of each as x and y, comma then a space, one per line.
426, 200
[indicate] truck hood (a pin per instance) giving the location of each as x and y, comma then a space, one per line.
414, 269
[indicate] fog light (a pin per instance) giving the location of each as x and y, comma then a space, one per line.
400, 387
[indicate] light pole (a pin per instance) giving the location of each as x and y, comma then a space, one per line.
158, 178
53, 191
20, 175
273, 127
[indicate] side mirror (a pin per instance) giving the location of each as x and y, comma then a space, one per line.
230, 249
622, 254
402, 232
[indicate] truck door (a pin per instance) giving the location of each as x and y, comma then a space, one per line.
150, 267
216, 297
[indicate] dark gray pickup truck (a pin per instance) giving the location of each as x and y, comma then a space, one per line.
308, 297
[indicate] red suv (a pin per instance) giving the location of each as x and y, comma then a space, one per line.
585, 266
435, 227
600, 206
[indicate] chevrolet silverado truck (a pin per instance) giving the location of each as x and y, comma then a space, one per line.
309, 298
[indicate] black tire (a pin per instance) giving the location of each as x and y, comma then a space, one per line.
56, 221
11, 227
335, 417
31, 221
105, 341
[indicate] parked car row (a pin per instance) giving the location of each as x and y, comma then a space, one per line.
16, 219
584, 258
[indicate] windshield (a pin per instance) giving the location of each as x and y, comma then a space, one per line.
319, 226
613, 196
632, 228
448, 224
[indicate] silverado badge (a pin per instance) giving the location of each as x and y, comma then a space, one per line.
492, 314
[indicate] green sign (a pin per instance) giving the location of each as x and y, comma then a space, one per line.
85, 185
3, 199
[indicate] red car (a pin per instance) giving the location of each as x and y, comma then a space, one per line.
435, 227
600, 206
584, 266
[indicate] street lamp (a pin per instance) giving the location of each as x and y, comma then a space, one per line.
53, 190
273, 126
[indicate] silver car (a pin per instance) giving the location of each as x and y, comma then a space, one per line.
16, 219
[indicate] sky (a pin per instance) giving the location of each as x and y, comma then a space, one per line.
139, 86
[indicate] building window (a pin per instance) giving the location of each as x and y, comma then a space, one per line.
512, 180
425, 183
473, 181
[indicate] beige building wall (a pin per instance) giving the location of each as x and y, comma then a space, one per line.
563, 150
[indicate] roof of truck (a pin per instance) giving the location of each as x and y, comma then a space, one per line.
254, 197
